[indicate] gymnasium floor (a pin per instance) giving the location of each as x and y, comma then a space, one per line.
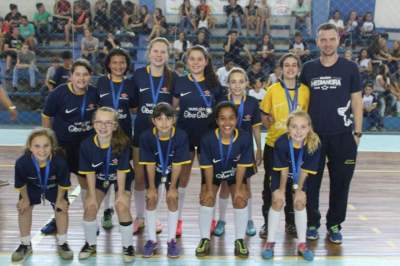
371, 234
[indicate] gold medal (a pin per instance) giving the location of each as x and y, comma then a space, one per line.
295, 186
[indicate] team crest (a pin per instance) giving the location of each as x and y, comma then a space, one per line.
114, 162
207, 93
124, 95
247, 118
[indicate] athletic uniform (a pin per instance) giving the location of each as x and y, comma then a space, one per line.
72, 116
331, 114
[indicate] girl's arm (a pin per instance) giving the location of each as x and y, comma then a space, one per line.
283, 181
257, 138
302, 179
176, 170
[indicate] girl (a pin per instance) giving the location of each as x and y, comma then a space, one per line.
160, 26
152, 84
296, 154
281, 99
116, 91
195, 96
68, 111
104, 159
163, 151
248, 120
42, 173
225, 154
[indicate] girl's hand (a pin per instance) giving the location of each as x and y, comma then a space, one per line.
240, 195
278, 196
300, 197
259, 157
152, 195
61, 205
23, 205
172, 195
207, 197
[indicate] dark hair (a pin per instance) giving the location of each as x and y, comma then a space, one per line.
222, 105
163, 108
327, 26
179, 64
13, 6
117, 52
24, 17
368, 84
39, 5
66, 55
227, 60
289, 55
83, 63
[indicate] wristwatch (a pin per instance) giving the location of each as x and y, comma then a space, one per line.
357, 134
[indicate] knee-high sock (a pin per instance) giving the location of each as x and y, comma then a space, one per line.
205, 218
139, 196
61, 239
273, 223
241, 219
300, 219
181, 197
151, 217
126, 234
90, 229
249, 209
222, 205
172, 221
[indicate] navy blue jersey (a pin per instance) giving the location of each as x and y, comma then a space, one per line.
144, 100
126, 100
65, 108
26, 175
193, 116
251, 113
179, 151
92, 160
61, 75
241, 154
330, 94
283, 161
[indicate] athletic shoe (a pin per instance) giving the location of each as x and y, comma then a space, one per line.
107, 219
173, 250
241, 249
87, 251
268, 250
138, 225
4, 183
250, 230
291, 229
179, 226
334, 235
312, 233
128, 253
159, 227
203, 249
65, 252
21, 253
149, 249
263, 231
50, 228
220, 228
213, 226
305, 252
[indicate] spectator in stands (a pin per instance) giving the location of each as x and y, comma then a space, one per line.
27, 31
338, 22
42, 22
160, 26
4, 29
233, 47
110, 43
142, 24
371, 111
257, 89
204, 10
265, 50
62, 13
117, 14
251, 17
186, 19
79, 21
13, 16
26, 62
202, 39
234, 13
383, 88
368, 26
351, 29
301, 14
223, 71
299, 47
100, 20
396, 91
255, 72
63, 72
202, 22
85, 6
348, 54
89, 46
265, 15
12, 44
180, 69
379, 50
180, 46
54, 64
131, 14
274, 76
395, 53
364, 65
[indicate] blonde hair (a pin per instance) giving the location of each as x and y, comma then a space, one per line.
158, 40
312, 140
42, 131
237, 70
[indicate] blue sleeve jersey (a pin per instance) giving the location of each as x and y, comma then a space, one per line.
72, 122
241, 154
330, 94
179, 153
92, 160
126, 101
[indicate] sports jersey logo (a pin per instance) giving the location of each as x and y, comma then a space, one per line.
164, 90
124, 96
114, 161
326, 83
68, 111
78, 127
196, 112
216, 161
147, 109
104, 94
185, 93
247, 118
96, 165
226, 174
207, 93
346, 114
143, 89
90, 107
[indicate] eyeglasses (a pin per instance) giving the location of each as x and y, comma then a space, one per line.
104, 123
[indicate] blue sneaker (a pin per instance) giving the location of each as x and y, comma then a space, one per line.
268, 250
334, 235
305, 252
50, 228
173, 250
312, 233
220, 228
250, 230
149, 249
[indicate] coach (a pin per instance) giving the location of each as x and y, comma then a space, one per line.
336, 112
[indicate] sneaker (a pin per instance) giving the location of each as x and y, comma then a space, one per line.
4, 183
305, 252
220, 228
213, 226
65, 252
87, 251
21, 253
50, 228
334, 235
149, 249
312, 233
250, 230
203, 249
263, 231
290, 229
268, 250
173, 250
241, 249
128, 253
138, 225
159, 227
179, 226
106, 222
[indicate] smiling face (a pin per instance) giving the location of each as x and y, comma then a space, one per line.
40, 147
80, 78
290, 68
226, 121
105, 124
163, 124
118, 65
158, 54
196, 62
328, 42
298, 129
237, 84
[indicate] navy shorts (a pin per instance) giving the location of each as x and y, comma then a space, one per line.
158, 181
35, 196
103, 185
72, 155
217, 182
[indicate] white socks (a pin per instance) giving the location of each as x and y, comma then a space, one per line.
151, 217
139, 196
273, 223
172, 221
300, 219
26, 240
126, 235
249, 209
240, 222
181, 197
205, 217
90, 229
61, 239
222, 205
107, 199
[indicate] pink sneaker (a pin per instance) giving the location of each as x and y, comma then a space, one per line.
179, 228
213, 226
138, 225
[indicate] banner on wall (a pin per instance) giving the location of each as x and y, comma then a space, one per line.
387, 14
